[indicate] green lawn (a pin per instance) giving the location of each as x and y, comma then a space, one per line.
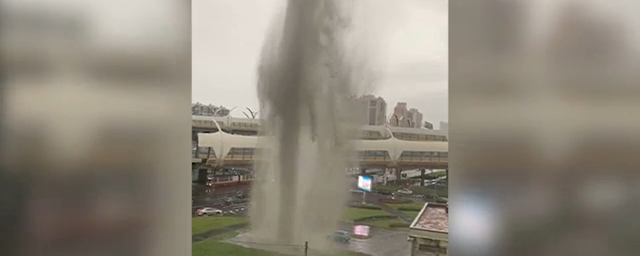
351, 213
412, 214
409, 209
407, 206
201, 224
438, 174
215, 247
385, 223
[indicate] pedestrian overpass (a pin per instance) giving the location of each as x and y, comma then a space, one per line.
224, 150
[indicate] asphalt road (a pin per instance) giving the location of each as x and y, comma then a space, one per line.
372, 198
213, 197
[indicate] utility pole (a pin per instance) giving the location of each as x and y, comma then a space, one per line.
306, 248
364, 197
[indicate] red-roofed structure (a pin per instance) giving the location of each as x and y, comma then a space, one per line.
429, 231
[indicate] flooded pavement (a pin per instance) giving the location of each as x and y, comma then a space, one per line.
383, 242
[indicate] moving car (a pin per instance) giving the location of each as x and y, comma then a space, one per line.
208, 211
341, 236
241, 195
228, 201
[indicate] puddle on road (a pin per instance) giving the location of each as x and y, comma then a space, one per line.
381, 242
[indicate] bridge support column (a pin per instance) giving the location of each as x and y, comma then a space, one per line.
385, 175
446, 171
194, 174
398, 174
202, 176
422, 173
363, 171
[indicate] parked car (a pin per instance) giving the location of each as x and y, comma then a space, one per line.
382, 192
357, 191
405, 191
341, 236
208, 211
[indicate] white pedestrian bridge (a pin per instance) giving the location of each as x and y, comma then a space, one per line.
222, 149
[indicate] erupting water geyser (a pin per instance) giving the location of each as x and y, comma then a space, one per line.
305, 84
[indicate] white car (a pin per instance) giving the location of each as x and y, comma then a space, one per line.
405, 191
208, 211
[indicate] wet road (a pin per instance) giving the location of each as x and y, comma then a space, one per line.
214, 197
356, 197
383, 242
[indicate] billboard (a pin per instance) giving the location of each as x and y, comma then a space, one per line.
364, 183
361, 230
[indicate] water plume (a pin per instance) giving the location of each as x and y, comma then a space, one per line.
306, 80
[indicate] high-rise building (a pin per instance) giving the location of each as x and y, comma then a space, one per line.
401, 109
403, 117
372, 110
444, 126
399, 114
414, 118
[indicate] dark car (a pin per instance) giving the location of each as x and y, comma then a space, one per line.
382, 192
241, 195
341, 236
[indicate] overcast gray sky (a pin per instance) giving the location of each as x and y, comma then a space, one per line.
228, 35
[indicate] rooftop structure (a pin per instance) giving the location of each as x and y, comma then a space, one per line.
433, 217
429, 231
